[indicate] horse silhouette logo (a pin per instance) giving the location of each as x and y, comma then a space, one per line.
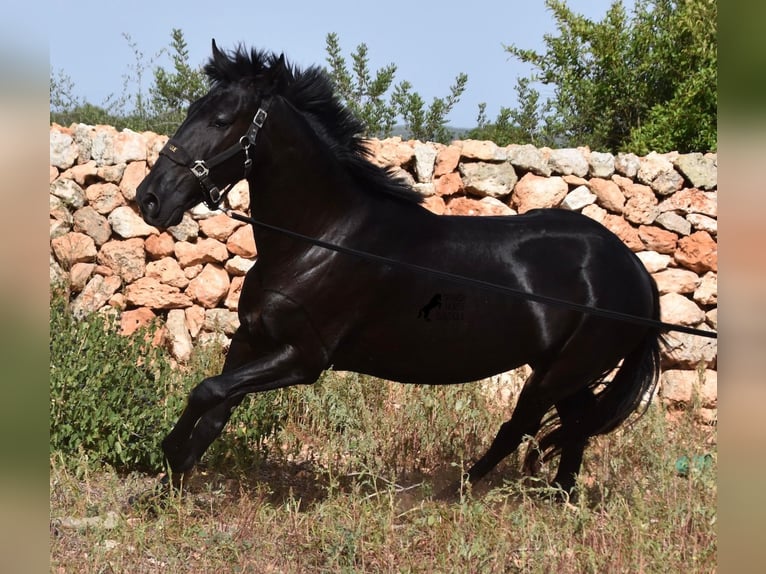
434, 303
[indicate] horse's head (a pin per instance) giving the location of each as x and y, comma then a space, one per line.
214, 146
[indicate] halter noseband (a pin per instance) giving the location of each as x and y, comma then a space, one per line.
211, 194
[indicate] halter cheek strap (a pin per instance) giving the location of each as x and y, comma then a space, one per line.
211, 193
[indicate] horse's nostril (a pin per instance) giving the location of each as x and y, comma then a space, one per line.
150, 205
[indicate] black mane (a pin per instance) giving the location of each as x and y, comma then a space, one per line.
311, 92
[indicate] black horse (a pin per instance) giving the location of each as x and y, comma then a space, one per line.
304, 308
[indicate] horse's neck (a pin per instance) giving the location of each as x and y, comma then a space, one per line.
299, 192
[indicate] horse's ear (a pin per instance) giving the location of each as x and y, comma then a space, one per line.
279, 72
216, 52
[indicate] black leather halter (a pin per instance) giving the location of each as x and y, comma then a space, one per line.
211, 193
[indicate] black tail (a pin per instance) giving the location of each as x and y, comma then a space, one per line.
614, 402
635, 380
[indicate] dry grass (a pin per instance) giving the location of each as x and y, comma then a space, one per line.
350, 489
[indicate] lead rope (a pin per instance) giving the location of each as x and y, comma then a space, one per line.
471, 282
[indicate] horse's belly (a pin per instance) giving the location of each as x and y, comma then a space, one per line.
442, 349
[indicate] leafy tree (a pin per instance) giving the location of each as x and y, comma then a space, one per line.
519, 125
174, 91
639, 83
364, 95
367, 96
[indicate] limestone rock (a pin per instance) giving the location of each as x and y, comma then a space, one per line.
58, 210
219, 227
488, 179
126, 258
242, 243
195, 318
186, 230
69, 192
701, 222
127, 223
238, 266
221, 321
653, 166
691, 200
600, 165
674, 222
483, 206
568, 161
685, 351
209, 287
63, 152
653, 261
624, 230
135, 319
698, 252
482, 151
79, 276
425, 158
594, 212
128, 146
168, 271
683, 386
533, 191
706, 292
608, 194
447, 159
178, 337
135, 173
205, 250
527, 158
667, 182
149, 292
89, 221
701, 171
238, 197
391, 151
235, 290
111, 173
680, 310
435, 204
74, 248
578, 198
641, 204
627, 164
675, 280
95, 295
448, 184
657, 239
159, 246
104, 197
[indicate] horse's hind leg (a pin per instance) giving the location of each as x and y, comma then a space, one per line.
573, 412
571, 438
525, 421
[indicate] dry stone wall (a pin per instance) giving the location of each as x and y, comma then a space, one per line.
663, 207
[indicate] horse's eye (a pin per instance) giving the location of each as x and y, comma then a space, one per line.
220, 123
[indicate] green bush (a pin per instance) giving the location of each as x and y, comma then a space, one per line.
109, 395
114, 398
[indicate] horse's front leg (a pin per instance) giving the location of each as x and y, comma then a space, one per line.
211, 402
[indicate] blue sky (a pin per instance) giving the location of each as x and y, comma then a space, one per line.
430, 42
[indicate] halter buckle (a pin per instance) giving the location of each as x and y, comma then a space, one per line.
260, 118
200, 169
